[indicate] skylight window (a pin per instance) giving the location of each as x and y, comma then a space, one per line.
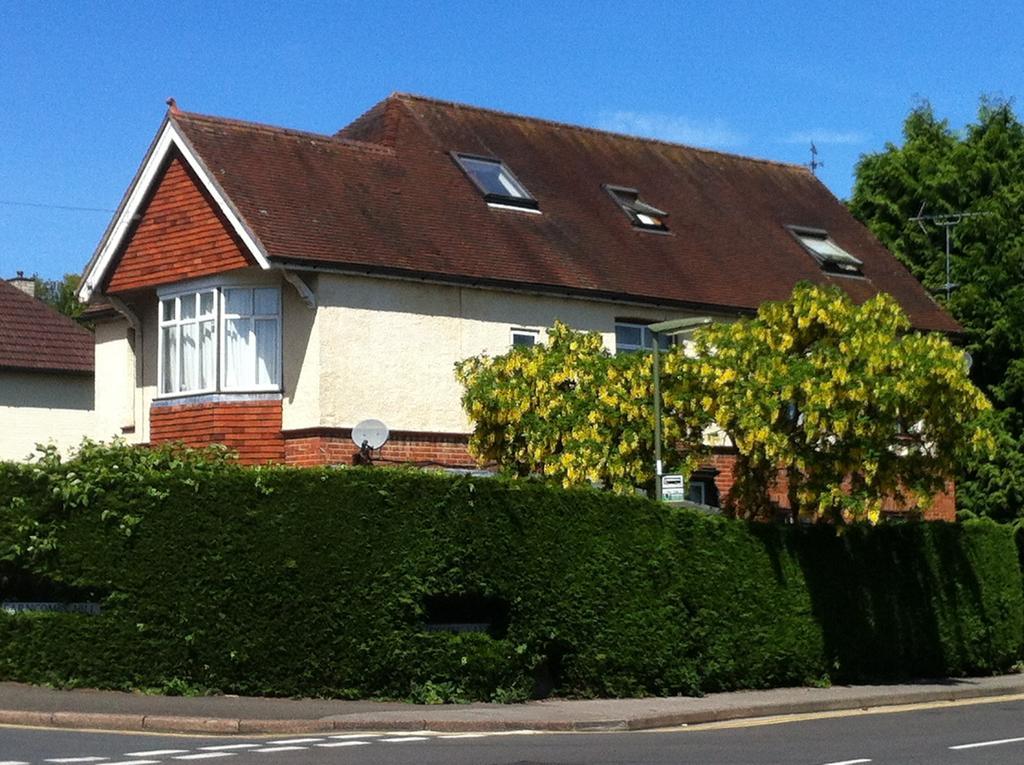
496, 181
642, 215
830, 256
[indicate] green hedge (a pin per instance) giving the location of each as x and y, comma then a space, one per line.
316, 582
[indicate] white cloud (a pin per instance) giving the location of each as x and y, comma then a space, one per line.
709, 133
824, 137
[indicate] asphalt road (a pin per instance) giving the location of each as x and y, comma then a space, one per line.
962, 734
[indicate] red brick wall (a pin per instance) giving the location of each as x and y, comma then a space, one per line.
943, 507
333, 446
181, 235
252, 428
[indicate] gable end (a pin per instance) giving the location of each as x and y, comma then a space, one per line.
180, 234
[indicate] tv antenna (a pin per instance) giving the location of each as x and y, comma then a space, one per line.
369, 435
814, 164
948, 221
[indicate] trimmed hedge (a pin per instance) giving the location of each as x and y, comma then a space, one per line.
317, 582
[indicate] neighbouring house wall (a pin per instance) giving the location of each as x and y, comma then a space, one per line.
43, 407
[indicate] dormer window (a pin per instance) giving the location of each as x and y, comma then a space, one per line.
496, 181
641, 214
831, 257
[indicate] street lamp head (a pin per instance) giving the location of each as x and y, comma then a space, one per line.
679, 326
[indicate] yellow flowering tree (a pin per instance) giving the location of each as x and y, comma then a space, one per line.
848, 403
574, 413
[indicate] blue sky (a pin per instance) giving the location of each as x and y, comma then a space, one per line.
83, 85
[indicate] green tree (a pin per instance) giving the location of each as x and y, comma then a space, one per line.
978, 170
843, 400
572, 412
61, 294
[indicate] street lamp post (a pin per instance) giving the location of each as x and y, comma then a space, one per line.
667, 329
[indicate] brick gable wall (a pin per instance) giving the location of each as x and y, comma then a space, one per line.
252, 428
181, 235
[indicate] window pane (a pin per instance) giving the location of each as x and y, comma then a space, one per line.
238, 302
267, 302
188, 306
627, 335
525, 339
266, 351
493, 178
189, 354
239, 367
206, 303
168, 312
169, 336
207, 354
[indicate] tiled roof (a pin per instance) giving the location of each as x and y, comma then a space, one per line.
385, 196
34, 336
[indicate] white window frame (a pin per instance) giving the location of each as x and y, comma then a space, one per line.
534, 334
272, 386
220, 318
162, 324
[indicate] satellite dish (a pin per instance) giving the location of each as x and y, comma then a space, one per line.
371, 433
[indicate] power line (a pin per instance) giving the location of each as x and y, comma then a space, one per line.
13, 203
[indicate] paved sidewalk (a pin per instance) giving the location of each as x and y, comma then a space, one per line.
111, 710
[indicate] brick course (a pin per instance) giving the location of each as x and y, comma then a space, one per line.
334, 446
252, 428
181, 235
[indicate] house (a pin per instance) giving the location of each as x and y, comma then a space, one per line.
270, 288
46, 374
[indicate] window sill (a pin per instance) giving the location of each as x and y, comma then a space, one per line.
186, 399
515, 208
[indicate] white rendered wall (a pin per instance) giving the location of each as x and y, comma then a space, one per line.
41, 407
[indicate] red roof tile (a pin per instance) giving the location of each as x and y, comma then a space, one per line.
34, 336
384, 195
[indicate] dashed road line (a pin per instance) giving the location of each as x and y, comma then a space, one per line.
357, 735
223, 747
204, 755
14, 762
295, 741
404, 739
133, 762
848, 762
157, 752
997, 742
77, 759
270, 749
332, 744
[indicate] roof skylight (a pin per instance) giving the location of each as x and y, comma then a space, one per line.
495, 181
830, 256
642, 215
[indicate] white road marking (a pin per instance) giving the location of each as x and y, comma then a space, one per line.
357, 735
295, 741
989, 743
156, 752
77, 759
847, 762
221, 747
404, 739
270, 749
13, 762
134, 762
464, 735
204, 756
343, 743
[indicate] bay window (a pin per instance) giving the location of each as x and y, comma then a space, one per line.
220, 339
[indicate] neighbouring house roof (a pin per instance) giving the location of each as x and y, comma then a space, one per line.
33, 336
385, 195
